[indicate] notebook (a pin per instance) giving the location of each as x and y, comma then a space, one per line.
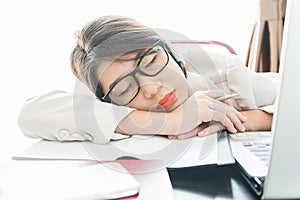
211, 150
67, 180
280, 177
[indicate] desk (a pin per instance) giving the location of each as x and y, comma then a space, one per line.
210, 182
203, 182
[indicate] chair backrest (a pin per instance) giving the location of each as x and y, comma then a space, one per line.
207, 44
202, 56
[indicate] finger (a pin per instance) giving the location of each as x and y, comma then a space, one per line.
211, 129
224, 120
235, 113
235, 117
190, 134
171, 137
240, 116
236, 121
228, 102
218, 113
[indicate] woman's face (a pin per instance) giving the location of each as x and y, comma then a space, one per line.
163, 91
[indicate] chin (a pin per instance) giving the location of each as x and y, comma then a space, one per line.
176, 104
173, 106
156, 108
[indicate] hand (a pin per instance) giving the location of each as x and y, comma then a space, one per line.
187, 135
203, 107
211, 128
202, 130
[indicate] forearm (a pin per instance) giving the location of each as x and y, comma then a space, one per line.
62, 116
144, 122
44, 116
257, 120
197, 109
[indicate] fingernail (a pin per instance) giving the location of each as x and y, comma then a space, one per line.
244, 128
180, 137
202, 133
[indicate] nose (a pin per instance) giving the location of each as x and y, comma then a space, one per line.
150, 86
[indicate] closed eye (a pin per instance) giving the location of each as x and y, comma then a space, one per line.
151, 62
126, 90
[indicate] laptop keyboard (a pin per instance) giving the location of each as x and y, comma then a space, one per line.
250, 135
260, 149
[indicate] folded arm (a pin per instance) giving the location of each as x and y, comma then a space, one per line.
65, 117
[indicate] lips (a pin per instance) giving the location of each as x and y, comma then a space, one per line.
167, 100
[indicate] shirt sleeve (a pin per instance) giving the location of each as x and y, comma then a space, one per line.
257, 90
62, 116
227, 72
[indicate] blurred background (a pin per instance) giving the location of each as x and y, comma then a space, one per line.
37, 37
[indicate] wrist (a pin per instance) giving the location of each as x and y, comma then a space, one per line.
178, 122
173, 124
257, 120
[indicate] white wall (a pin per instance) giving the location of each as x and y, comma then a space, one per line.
37, 36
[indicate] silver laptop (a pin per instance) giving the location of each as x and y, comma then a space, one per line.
275, 170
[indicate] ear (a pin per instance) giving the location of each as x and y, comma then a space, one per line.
178, 58
180, 61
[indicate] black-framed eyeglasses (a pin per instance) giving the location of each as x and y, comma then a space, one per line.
126, 88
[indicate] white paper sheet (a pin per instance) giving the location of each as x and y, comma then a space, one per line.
174, 153
49, 180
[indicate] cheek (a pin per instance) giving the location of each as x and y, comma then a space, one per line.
175, 76
138, 102
183, 94
174, 69
141, 103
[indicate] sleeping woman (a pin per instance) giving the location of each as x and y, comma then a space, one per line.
141, 86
